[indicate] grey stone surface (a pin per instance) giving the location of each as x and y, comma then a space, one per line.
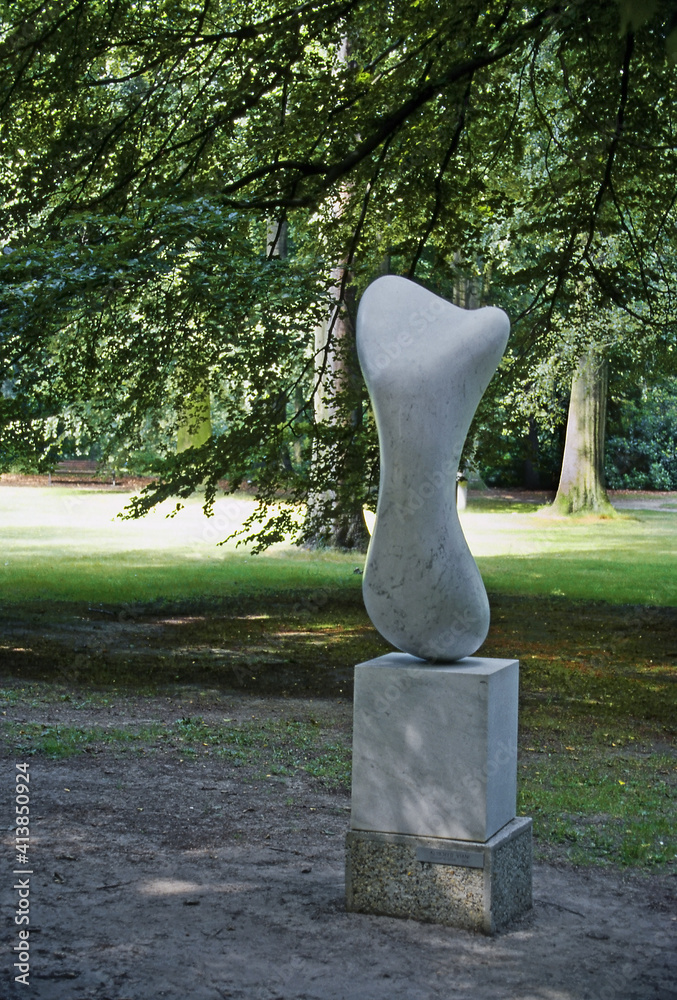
426, 364
434, 746
384, 876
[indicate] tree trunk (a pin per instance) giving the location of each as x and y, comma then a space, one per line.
276, 246
276, 238
581, 487
335, 516
532, 477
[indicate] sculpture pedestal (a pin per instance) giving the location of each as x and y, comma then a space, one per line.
479, 887
433, 829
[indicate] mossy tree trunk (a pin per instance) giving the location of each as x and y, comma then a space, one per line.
581, 487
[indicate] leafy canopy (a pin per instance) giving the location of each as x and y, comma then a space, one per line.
147, 148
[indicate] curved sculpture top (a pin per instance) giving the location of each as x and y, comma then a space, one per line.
426, 363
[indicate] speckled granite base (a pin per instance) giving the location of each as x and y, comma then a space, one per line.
384, 876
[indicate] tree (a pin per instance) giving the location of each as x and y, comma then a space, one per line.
630, 270
642, 445
581, 485
195, 428
147, 147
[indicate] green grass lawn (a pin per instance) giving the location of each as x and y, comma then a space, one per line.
629, 560
62, 544
65, 544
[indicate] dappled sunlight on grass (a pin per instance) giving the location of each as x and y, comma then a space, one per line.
65, 544
38, 515
69, 544
629, 560
526, 534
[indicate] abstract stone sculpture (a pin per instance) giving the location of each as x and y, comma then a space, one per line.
426, 364
433, 832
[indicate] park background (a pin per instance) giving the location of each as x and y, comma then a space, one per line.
195, 195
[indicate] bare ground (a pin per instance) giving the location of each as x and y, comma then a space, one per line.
160, 877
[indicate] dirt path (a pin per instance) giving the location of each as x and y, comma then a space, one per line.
154, 877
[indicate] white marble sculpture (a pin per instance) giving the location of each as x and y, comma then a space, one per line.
426, 363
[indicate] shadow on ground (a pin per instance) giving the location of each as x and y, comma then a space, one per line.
305, 643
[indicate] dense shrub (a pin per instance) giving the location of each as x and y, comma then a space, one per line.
641, 449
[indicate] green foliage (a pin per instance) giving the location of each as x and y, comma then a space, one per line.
522, 154
642, 446
508, 448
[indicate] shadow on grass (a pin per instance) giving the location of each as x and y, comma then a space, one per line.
298, 643
581, 656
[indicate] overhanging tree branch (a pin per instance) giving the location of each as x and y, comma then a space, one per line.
615, 142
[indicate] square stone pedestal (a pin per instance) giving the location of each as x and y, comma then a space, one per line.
479, 887
433, 833
434, 746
